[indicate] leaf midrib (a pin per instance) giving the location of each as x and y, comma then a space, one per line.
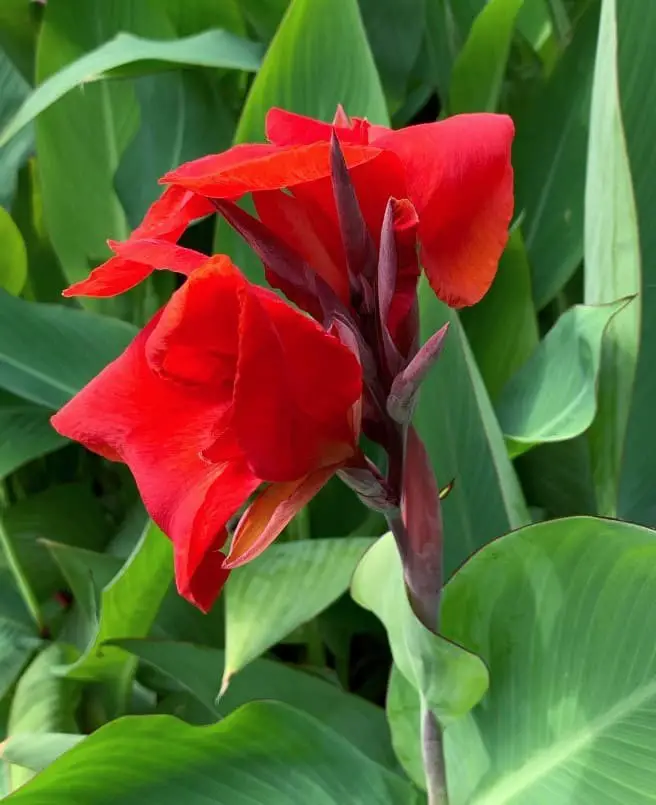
557, 755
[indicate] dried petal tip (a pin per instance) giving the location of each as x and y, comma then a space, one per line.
402, 396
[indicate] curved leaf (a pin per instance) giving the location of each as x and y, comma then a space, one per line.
264, 752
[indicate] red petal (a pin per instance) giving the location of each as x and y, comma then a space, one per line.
166, 220
459, 177
288, 128
295, 388
196, 339
160, 254
313, 234
247, 168
160, 430
115, 276
271, 511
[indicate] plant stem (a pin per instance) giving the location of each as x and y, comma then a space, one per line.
432, 748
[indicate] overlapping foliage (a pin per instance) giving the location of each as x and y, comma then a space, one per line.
539, 409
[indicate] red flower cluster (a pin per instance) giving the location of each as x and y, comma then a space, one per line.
230, 392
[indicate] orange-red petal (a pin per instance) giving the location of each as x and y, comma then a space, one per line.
459, 177
270, 512
249, 168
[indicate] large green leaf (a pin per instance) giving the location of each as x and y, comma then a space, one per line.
42, 702
612, 263
18, 27
197, 670
451, 680
549, 159
313, 34
478, 71
502, 328
637, 84
293, 582
35, 751
560, 612
82, 138
448, 23
456, 421
264, 752
128, 607
209, 49
553, 396
26, 433
48, 352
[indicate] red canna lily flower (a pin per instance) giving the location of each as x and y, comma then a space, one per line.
456, 173
227, 391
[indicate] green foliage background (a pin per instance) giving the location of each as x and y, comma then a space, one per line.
540, 411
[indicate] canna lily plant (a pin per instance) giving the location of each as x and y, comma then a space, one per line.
236, 404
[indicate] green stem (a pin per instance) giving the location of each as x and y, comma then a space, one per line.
22, 582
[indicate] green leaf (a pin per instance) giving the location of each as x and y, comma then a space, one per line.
47, 515
264, 752
18, 641
13, 90
26, 433
43, 702
313, 34
502, 328
18, 29
129, 604
562, 620
204, 124
209, 49
48, 352
478, 72
559, 612
450, 679
394, 31
636, 89
612, 263
293, 582
553, 397
457, 424
36, 751
197, 670
549, 159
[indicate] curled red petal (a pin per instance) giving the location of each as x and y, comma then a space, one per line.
296, 385
270, 512
113, 277
159, 430
160, 254
165, 221
459, 177
249, 168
